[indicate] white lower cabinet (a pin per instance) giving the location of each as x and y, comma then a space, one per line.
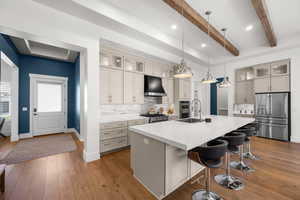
115, 135
162, 168
176, 168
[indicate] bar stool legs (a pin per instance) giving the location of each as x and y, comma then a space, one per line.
248, 154
206, 194
228, 181
241, 165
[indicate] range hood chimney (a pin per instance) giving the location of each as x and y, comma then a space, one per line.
153, 86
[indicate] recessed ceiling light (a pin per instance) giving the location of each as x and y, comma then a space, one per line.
249, 27
203, 45
174, 27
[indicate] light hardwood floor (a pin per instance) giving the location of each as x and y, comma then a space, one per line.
65, 176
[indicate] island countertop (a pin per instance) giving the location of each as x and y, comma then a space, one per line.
187, 136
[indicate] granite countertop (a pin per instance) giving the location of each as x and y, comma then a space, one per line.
190, 135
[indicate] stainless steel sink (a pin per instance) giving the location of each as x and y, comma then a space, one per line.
190, 120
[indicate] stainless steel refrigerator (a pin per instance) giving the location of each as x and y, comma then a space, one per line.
272, 111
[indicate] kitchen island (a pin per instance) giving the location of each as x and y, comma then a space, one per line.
159, 151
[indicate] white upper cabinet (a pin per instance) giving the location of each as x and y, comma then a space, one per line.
262, 71
245, 74
183, 89
111, 86
134, 88
111, 59
280, 68
134, 64
168, 85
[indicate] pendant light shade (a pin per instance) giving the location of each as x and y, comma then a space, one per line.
225, 82
181, 70
208, 79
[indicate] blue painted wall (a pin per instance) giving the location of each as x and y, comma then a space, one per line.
213, 97
36, 65
77, 95
9, 48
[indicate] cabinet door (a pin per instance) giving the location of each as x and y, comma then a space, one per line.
166, 87
117, 61
128, 88
105, 58
148, 67
244, 92
262, 85
129, 63
105, 96
138, 93
280, 68
187, 89
280, 83
156, 69
116, 86
262, 71
170, 91
140, 66
176, 168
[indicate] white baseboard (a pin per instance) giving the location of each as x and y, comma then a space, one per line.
89, 157
73, 130
25, 135
295, 139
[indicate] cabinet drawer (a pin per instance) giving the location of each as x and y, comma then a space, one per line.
136, 122
111, 144
113, 133
111, 125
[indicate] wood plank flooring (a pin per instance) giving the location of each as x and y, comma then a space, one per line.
65, 176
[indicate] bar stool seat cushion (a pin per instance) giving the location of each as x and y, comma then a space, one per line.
234, 139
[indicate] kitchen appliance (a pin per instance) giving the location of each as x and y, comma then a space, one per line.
153, 86
156, 117
273, 115
184, 109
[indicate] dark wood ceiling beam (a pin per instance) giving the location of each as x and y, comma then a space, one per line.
262, 13
194, 17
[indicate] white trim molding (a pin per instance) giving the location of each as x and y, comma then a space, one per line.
73, 130
48, 77
89, 157
25, 135
14, 110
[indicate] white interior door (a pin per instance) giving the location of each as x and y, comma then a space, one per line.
48, 104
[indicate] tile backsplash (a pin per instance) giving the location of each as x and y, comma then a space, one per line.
150, 102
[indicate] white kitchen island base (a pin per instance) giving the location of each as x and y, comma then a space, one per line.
159, 151
161, 168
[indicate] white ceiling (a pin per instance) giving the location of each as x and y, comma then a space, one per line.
151, 20
29, 47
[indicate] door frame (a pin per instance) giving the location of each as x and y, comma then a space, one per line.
14, 97
34, 77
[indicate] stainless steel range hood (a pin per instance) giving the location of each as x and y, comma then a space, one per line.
153, 86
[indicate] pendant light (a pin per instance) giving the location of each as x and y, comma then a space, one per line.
225, 82
208, 77
181, 70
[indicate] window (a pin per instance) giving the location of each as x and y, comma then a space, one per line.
49, 97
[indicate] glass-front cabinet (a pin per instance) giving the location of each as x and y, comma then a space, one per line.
280, 68
134, 64
262, 71
245, 74
109, 59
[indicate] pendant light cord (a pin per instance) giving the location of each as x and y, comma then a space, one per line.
208, 33
224, 31
182, 24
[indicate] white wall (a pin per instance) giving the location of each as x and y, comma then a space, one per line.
33, 21
294, 55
